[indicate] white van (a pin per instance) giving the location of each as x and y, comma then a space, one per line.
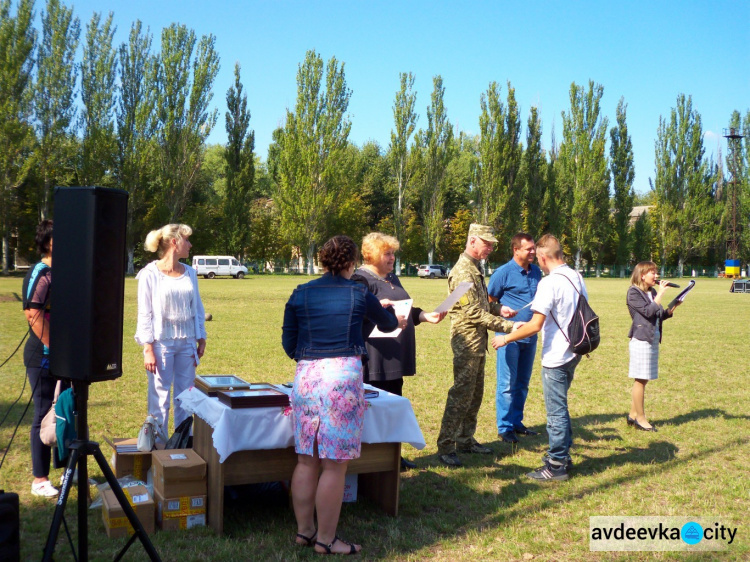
211, 266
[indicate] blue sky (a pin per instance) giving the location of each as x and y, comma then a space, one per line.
648, 52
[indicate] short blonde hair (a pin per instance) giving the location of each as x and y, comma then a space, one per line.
158, 240
639, 271
550, 247
375, 244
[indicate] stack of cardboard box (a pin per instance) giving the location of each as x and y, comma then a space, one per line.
179, 488
116, 522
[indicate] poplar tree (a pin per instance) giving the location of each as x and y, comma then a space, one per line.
499, 192
17, 41
623, 175
240, 168
583, 171
435, 149
687, 216
489, 174
185, 72
557, 203
135, 128
311, 149
533, 174
405, 121
642, 239
510, 164
54, 100
98, 74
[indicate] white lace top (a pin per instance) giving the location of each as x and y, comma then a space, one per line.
169, 308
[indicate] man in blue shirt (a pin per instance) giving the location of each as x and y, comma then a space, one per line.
514, 286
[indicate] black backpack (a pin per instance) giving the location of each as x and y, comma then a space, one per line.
583, 330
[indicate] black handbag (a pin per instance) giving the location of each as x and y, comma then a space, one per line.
181, 437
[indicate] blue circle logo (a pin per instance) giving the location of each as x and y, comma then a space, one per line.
692, 533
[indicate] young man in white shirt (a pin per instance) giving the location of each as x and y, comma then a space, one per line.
556, 296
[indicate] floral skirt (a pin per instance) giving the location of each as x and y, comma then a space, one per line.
328, 403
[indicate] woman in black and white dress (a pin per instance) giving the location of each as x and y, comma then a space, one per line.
648, 314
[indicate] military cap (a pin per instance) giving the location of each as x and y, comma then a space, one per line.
486, 233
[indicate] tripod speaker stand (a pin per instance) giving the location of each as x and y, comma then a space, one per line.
86, 332
80, 450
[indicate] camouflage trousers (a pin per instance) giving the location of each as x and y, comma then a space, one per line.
463, 402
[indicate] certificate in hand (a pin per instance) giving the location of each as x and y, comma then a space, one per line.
452, 299
401, 308
682, 295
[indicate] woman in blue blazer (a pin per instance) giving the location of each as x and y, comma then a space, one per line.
648, 314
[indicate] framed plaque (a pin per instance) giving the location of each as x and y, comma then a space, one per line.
259, 395
212, 384
370, 394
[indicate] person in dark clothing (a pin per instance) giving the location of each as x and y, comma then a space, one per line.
389, 359
36, 308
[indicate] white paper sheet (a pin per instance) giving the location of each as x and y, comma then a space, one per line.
401, 308
452, 299
682, 295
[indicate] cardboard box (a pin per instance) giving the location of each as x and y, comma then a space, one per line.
180, 513
179, 473
116, 523
135, 464
350, 488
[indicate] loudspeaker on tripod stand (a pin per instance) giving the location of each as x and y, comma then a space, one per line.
88, 260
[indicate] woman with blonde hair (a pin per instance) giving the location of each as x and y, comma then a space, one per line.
389, 359
648, 314
171, 321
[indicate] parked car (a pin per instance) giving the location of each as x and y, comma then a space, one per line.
211, 266
432, 271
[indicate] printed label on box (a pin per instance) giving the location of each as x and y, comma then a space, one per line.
178, 457
140, 498
196, 520
173, 505
196, 502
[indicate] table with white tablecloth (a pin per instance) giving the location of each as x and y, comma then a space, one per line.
249, 445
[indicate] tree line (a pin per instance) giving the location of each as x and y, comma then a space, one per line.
137, 116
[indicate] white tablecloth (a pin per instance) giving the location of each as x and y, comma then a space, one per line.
388, 419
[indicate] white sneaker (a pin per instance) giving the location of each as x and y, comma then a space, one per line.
44, 489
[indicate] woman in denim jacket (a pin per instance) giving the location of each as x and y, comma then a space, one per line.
323, 332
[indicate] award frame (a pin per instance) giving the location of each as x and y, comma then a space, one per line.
260, 395
213, 384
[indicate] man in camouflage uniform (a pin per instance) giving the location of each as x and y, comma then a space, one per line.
471, 318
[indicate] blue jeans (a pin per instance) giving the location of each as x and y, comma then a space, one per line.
556, 382
514, 364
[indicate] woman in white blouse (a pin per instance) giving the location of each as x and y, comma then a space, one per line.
171, 321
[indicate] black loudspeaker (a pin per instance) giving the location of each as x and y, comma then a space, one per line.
10, 538
88, 283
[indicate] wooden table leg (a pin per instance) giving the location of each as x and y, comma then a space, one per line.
383, 487
204, 446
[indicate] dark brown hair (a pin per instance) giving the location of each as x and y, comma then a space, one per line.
338, 254
515, 242
43, 237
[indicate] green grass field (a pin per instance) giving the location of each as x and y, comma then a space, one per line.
696, 465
